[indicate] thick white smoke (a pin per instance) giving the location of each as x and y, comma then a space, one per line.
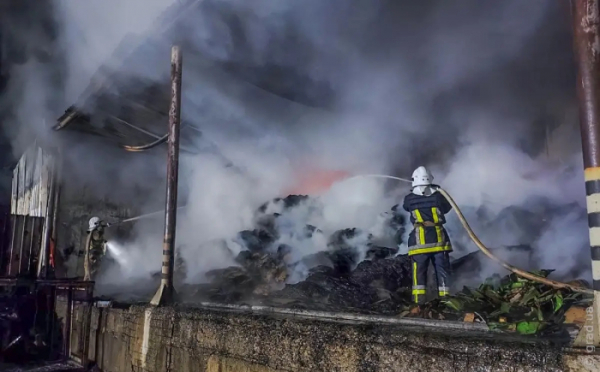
430, 92
526, 201
91, 31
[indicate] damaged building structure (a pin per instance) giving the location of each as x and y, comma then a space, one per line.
346, 316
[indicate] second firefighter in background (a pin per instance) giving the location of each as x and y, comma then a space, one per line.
428, 241
95, 248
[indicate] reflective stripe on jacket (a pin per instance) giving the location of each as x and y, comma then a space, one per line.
427, 216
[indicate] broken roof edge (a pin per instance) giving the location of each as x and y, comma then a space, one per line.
37, 143
72, 116
165, 21
78, 119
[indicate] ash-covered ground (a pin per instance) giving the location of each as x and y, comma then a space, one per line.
281, 263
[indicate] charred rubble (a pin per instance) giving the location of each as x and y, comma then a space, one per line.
350, 272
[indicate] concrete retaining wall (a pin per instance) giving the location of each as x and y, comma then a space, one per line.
197, 340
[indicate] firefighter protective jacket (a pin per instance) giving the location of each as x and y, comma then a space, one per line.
427, 216
94, 251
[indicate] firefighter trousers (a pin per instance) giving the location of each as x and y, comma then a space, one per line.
420, 265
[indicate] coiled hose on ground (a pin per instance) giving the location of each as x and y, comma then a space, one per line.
483, 248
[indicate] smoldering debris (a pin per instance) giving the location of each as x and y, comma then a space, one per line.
336, 272
272, 253
281, 248
374, 286
378, 286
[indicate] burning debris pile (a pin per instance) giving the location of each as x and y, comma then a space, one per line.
375, 286
348, 268
378, 285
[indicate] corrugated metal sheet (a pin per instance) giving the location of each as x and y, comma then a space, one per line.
13, 195
31, 183
45, 166
21, 169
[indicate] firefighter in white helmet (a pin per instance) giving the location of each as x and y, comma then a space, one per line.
93, 223
95, 247
428, 241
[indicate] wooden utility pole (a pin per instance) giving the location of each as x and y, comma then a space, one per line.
166, 292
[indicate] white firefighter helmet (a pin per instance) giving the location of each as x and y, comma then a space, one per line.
94, 222
421, 177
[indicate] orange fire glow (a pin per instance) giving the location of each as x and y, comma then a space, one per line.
316, 182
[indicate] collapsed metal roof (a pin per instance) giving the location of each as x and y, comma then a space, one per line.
132, 110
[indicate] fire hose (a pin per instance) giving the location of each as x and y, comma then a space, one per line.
484, 249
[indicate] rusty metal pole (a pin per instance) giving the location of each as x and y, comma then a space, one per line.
586, 20
166, 292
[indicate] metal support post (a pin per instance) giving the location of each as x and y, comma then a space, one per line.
44, 262
586, 20
166, 292
67, 324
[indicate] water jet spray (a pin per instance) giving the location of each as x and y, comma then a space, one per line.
143, 216
117, 252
